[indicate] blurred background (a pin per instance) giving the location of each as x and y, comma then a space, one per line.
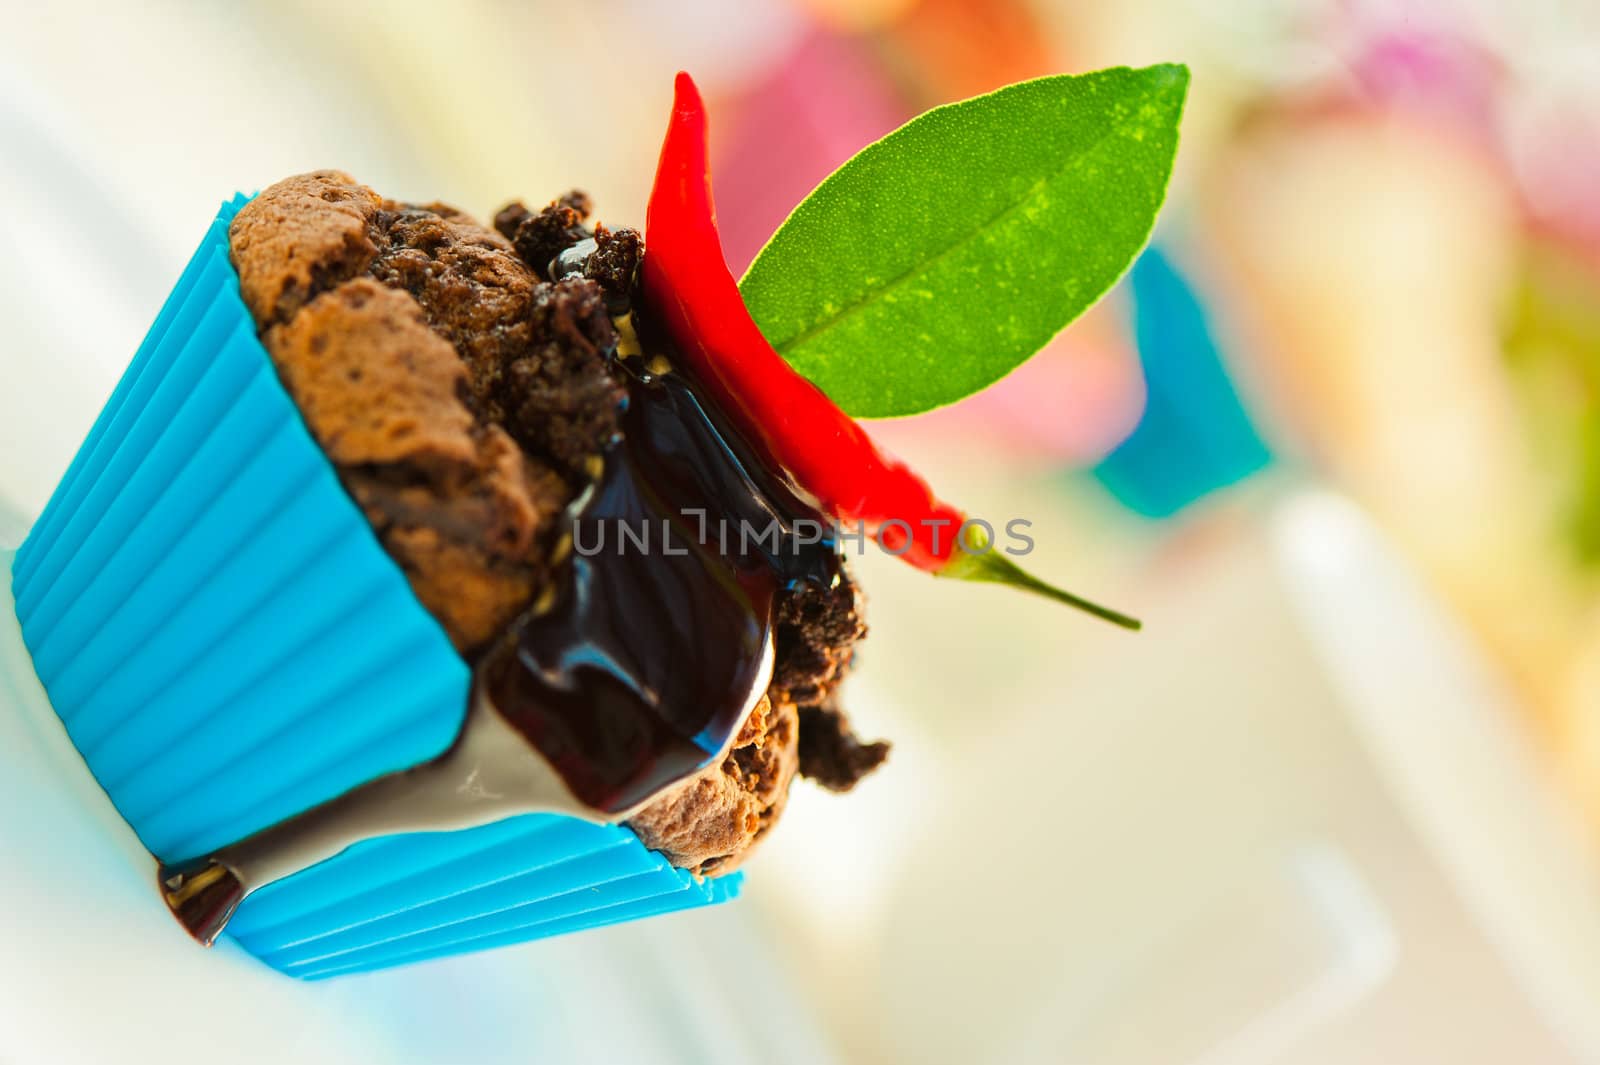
1336, 439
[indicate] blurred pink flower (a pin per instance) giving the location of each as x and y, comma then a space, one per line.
820, 105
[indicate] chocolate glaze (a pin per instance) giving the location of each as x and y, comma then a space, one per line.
635, 672
624, 683
571, 260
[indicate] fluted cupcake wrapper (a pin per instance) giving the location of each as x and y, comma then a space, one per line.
403, 899
228, 645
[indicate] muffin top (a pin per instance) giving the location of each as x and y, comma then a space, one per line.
465, 399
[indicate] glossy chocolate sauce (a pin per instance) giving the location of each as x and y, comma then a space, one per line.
624, 683
635, 672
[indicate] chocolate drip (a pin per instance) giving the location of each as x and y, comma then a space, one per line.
202, 897
623, 682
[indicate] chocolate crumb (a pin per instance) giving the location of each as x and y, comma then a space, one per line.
540, 236
815, 633
510, 218
615, 261
830, 752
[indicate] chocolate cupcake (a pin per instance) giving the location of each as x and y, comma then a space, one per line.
466, 384
391, 599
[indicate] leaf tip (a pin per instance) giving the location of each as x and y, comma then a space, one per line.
1173, 77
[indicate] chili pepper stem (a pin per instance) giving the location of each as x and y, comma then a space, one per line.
994, 568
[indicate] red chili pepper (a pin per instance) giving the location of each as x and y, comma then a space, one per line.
688, 284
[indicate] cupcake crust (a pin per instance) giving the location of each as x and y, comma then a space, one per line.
300, 237
454, 501
708, 824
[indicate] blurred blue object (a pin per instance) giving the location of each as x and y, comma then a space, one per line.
1194, 436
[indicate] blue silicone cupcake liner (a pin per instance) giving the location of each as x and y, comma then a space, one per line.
228, 645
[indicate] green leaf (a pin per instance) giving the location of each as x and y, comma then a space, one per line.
940, 258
